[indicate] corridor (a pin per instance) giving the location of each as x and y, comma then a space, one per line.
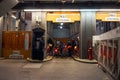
56, 69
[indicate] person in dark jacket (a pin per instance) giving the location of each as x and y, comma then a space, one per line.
41, 47
61, 47
51, 45
69, 46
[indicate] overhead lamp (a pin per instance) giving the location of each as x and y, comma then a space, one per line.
37, 18
73, 1
37, 10
13, 16
63, 1
61, 24
61, 27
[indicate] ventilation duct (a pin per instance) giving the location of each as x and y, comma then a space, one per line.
6, 5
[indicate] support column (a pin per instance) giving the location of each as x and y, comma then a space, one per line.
118, 58
1, 27
44, 26
88, 24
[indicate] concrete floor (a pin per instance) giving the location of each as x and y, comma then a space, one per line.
56, 69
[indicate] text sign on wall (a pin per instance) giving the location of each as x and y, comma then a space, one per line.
112, 18
108, 16
63, 18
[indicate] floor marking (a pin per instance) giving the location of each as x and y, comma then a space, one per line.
32, 65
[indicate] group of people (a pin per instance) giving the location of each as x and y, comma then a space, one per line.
62, 49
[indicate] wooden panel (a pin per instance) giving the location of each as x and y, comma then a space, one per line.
21, 40
26, 53
14, 36
6, 40
15, 40
6, 52
3, 39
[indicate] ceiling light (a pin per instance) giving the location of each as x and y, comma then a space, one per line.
73, 1
63, 1
37, 10
61, 27
13, 16
61, 24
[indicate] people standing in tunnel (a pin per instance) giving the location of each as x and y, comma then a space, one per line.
61, 47
69, 46
51, 45
73, 44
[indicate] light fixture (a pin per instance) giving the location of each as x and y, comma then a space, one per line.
37, 18
61, 27
61, 24
63, 1
37, 10
13, 16
73, 1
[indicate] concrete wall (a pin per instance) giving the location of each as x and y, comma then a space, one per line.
39, 16
87, 29
60, 33
50, 28
9, 23
36, 16
74, 28
43, 20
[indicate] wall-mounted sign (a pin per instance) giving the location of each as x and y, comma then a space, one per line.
63, 20
113, 14
108, 16
63, 16
112, 18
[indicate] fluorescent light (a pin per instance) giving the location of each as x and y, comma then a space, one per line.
88, 9
13, 16
59, 10
51, 10
73, 1
108, 9
34, 10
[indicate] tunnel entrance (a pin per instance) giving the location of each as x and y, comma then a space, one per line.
63, 29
